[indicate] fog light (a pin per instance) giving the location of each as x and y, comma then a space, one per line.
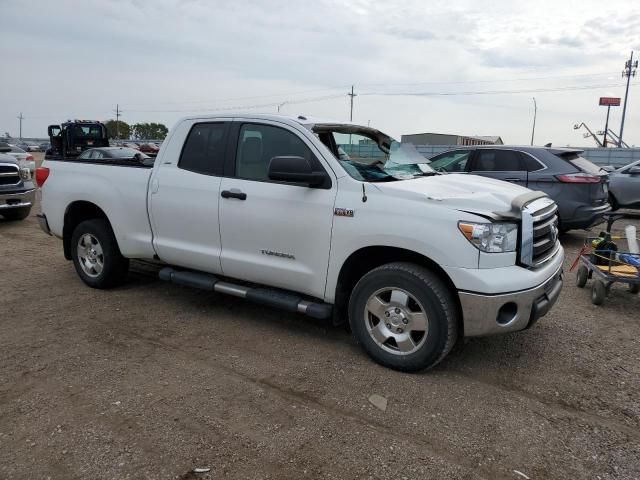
507, 313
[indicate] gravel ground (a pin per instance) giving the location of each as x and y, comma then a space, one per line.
152, 380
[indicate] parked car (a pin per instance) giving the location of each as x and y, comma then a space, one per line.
579, 188
21, 156
29, 146
133, 145
262, 207
149, 148
115, 154
624, 186
44, 146
17, 191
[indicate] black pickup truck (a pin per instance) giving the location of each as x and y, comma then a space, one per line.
17, 190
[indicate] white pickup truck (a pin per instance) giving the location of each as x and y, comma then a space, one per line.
329, 219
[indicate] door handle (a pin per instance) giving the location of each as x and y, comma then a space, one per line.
233, 194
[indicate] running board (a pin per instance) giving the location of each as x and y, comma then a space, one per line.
291, 302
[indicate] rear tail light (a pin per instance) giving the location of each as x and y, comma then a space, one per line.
42, 173
578, 178
29, 158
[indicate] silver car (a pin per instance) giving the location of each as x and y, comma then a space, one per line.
624, 186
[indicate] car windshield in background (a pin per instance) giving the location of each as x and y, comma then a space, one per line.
582, 163
371, 156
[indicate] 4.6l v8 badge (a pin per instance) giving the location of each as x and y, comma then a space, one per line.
343, 212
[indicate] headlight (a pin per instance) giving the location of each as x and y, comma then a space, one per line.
25, 173
491, 237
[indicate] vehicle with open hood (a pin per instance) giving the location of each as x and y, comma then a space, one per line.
329, 219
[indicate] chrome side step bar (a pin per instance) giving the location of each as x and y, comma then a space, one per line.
289, 301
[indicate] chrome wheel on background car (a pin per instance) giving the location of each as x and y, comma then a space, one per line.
90, 255
396, 321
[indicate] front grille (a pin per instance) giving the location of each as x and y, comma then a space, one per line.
539, 232
9, 174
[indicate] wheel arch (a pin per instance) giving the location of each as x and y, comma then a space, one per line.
366, 259
78, 212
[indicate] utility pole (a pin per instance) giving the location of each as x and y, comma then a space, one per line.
629, 71
606, 127
281, 105
351, 95
535, 114
20, 117
118, 114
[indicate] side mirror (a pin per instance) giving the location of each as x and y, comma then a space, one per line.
634, 170
295, 170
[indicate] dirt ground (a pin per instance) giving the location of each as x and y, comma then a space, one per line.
152, 380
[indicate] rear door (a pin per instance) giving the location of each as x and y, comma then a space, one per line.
625, 185
507, 165
184, 196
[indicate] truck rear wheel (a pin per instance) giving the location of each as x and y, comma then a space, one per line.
96, 255
16, 213
404, 316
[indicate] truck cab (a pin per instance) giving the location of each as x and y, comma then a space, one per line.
70, 139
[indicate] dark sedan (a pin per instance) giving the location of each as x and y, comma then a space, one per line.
579, 187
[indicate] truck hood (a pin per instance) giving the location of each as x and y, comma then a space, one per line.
468, 193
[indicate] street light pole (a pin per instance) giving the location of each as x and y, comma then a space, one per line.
629, 71
535, 114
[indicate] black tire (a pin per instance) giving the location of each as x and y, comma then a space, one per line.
426, 291
581, 276
634, 288
598, 292
16, 213
613, 202
114, 265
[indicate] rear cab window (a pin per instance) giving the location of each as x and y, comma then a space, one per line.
204, 149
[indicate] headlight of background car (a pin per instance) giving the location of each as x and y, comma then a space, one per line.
25, 173
491, 237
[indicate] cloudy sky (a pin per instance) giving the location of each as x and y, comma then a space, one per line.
467, 67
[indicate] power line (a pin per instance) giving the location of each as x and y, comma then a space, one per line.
494, 92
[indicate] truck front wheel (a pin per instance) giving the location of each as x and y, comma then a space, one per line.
404, 316
96, 255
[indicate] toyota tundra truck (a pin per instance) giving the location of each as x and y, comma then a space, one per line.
329, 219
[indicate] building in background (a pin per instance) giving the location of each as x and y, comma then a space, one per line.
445, 139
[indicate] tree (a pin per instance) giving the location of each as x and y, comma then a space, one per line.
149, 131
123, 129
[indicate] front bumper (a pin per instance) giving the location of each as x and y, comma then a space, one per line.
509, 312
17, 200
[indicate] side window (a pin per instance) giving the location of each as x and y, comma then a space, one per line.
530, 163
451, 162
258, 144
203, 151
497, 161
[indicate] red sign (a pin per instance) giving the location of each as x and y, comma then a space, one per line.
610, 101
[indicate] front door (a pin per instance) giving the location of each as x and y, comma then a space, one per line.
184, 196
275, 233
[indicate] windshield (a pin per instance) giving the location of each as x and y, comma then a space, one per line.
369, 155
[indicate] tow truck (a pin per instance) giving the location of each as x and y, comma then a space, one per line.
70, 139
